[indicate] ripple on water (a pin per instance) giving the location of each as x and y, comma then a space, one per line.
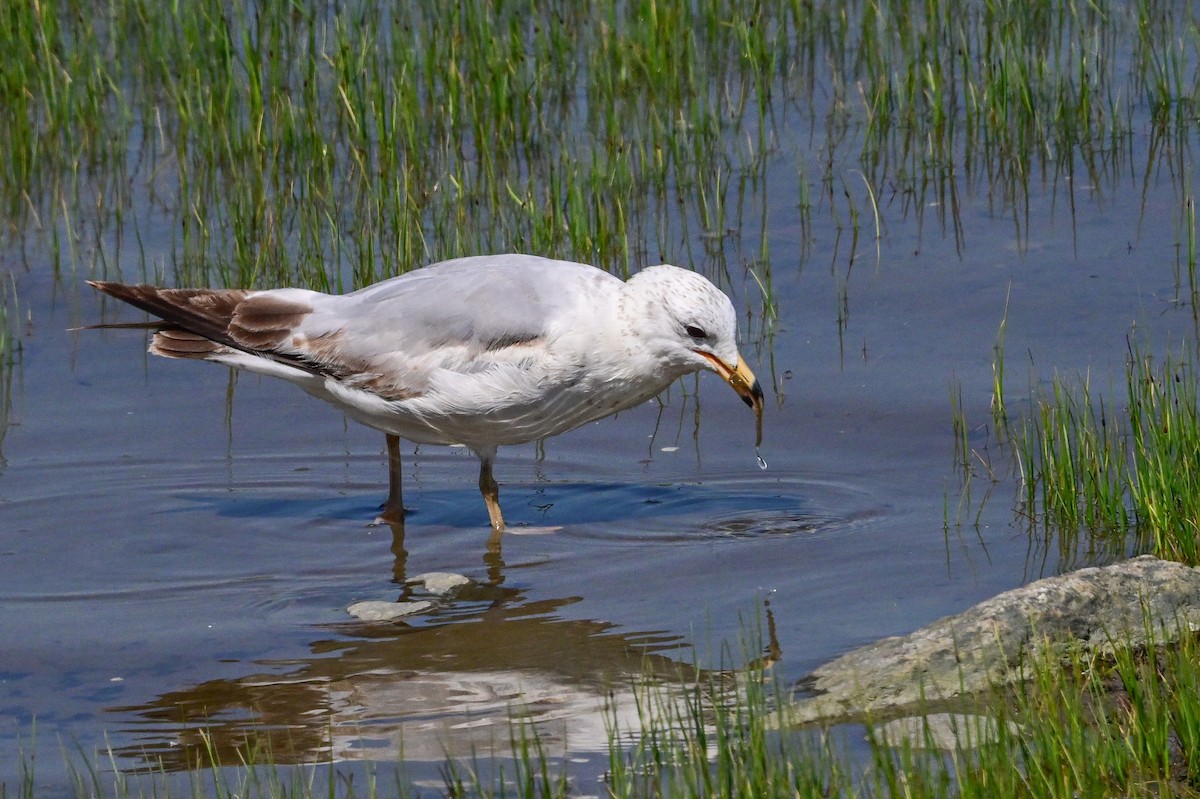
160, 537
731, 509
143, 529
303, 487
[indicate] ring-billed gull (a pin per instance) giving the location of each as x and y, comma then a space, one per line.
479, 351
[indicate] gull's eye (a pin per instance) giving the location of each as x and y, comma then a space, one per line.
695, 332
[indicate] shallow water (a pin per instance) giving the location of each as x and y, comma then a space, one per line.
178, 548
178, 556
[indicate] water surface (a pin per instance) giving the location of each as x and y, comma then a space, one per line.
179, 547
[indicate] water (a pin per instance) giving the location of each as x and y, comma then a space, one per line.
178, 554
179, 548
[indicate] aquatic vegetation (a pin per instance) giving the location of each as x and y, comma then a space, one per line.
335, 145
1164, 428
277, 140
11, 350
1117, 469
1073, 459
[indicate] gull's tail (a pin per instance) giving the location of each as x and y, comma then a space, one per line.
202, 323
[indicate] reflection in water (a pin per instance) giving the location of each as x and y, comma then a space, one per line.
7, 369
446, 684
11, 351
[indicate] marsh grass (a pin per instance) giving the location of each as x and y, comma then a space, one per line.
1165, 453
332, 145
284, 138
1187, 263
1119, 725
722, 736
1114, 469
11, 353
1074, 459
1079, 724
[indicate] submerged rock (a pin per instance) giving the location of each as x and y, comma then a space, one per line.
1094, 609
440, 582
376, 610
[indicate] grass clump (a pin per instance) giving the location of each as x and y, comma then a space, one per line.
1123, 725
722, 739
1165, 432
1075, 468
1124, 471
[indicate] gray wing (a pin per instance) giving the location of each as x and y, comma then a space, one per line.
391, 338
468, 316
478, 304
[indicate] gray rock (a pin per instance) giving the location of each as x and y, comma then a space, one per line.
441, 582
985, 646
376, 610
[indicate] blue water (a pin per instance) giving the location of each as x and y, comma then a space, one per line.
178, 549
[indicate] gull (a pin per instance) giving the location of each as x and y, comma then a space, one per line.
482, 351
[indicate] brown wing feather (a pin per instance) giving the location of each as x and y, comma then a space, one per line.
203, 311
175, 342
202, 323
257, 323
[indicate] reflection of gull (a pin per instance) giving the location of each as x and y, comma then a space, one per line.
429, 716
459, 686
477, 351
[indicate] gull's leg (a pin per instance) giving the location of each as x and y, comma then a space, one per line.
489, 489
393, 508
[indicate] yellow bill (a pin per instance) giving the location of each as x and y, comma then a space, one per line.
745, 384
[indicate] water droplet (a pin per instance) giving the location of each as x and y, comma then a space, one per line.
761, 463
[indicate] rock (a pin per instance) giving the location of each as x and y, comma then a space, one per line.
984, 646
948, 731
441, 582
375, 610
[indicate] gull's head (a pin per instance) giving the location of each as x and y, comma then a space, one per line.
686, 324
